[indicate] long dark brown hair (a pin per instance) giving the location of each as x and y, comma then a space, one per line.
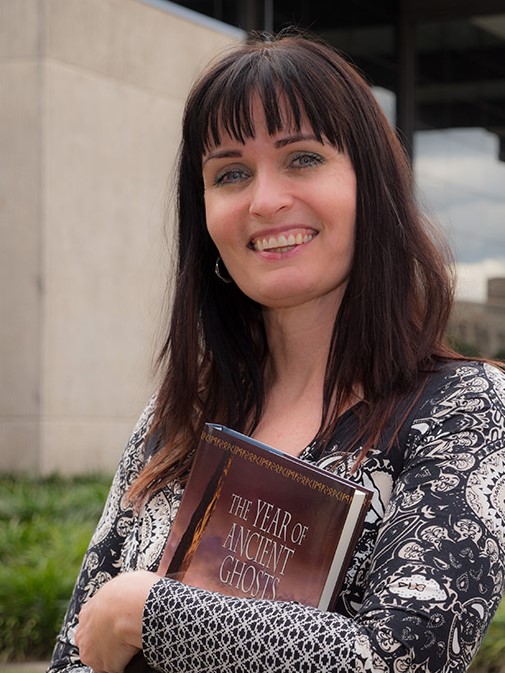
391, 323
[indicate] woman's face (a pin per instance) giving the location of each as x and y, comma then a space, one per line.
281, 210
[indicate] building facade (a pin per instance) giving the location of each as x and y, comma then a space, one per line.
92, 95
480, 326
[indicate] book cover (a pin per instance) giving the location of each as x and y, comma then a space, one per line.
258, 523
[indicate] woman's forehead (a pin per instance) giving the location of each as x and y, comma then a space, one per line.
255, 120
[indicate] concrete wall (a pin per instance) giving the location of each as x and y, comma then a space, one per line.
92, 93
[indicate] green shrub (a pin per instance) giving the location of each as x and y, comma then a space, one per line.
463, 348
45, 527
491, 655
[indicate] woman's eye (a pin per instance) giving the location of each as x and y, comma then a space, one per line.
230, 176
307, 159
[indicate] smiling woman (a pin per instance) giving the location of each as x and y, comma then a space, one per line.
326, 340
280, 208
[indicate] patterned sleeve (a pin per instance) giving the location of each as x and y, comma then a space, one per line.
436, 578
103, 558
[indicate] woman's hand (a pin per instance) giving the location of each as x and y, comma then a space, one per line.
110, 624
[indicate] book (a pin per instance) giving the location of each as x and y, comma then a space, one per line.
258, 523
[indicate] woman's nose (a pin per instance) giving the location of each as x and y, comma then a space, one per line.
270, 193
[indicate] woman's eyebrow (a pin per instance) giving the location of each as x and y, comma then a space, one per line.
237, 153
282, 142
222, 154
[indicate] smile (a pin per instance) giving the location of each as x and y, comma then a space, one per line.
281, 243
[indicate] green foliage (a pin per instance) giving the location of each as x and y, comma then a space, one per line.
463, 348
45, 527
491, 655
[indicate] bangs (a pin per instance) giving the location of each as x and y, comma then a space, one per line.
289, 95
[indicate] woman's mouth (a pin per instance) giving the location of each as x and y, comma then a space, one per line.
282, 243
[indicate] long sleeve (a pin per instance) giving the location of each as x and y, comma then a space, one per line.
435, 578
105, 554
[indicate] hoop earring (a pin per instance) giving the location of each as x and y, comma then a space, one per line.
218, 273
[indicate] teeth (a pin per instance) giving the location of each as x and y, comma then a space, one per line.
281, 243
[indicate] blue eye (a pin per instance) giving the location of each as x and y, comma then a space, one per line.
230, 176
307, 159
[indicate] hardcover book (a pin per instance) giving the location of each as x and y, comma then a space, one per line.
258, 523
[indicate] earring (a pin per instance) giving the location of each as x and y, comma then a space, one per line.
218, 273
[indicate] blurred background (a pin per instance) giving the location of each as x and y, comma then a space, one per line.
91, 98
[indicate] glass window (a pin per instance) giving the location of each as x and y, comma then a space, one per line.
460, 139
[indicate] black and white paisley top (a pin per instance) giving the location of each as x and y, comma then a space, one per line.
422, 587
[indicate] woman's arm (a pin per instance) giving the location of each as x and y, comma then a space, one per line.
102, 560
435, 581
436, 578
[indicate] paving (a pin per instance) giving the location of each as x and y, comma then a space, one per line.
25, 667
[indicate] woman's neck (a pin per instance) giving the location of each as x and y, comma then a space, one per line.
299, 342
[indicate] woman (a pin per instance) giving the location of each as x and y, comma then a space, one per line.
310, 307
